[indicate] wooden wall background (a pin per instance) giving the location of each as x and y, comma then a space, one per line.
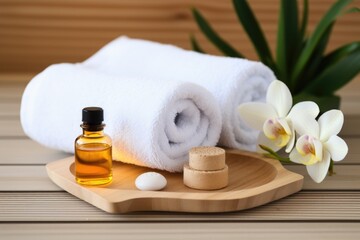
36, 33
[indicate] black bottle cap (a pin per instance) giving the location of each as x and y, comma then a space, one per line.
92, 115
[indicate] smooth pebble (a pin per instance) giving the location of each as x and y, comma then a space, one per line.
150, 181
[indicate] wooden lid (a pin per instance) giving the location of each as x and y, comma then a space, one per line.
207, 158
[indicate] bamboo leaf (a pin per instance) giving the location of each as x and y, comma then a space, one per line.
213, 37
287, 38
325, 22
338, 54
336, 76
353, 10
314, 62
304, 19
252, 28
195, 45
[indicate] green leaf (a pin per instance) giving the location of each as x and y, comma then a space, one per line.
195, 45
252, 28
325, 103
353, 10
213, 37
304, 19
338, 54
313, 65
333, 78
312, 44
287, 38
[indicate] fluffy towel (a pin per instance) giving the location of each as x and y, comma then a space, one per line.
152, 123
232, 81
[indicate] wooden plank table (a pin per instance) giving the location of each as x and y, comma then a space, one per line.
32, 207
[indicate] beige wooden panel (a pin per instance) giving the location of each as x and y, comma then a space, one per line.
9, 109
351, 90
34, 178
142, 231
26, 151
25, 178
36, 33
351, 125
61, 206
11, 128
11, 90
346, 177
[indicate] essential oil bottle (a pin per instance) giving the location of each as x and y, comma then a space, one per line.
93, 155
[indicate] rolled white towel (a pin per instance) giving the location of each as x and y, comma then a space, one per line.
232, 81
152, 123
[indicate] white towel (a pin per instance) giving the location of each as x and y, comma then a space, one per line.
232, 81
152, 123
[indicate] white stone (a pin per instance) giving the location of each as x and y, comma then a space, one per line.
150, 181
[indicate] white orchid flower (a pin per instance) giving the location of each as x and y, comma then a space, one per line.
274, 117
318, 143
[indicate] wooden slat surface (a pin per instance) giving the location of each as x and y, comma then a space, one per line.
9, 109
11, 127
26, 151
36, 33
25, 178
143, 231
61, 206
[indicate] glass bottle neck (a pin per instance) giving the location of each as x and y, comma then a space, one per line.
87, 133
93, 130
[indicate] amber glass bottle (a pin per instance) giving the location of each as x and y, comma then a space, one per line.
93, 158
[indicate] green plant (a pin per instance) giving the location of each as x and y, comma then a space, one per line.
301, 62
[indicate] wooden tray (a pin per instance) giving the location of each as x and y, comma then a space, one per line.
253, 181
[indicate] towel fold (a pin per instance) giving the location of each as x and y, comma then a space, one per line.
232, 81
152, 123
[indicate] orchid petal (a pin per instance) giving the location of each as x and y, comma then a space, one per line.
296, 157
277, 130
291, 143
337, 147
306, 126
263, 140
284, 123
304, 145
270, 128
318, 149
308, 108
255, 113
301, 142
319, 170
307, 159
303, 117
282, 140
278, 95
330, 124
